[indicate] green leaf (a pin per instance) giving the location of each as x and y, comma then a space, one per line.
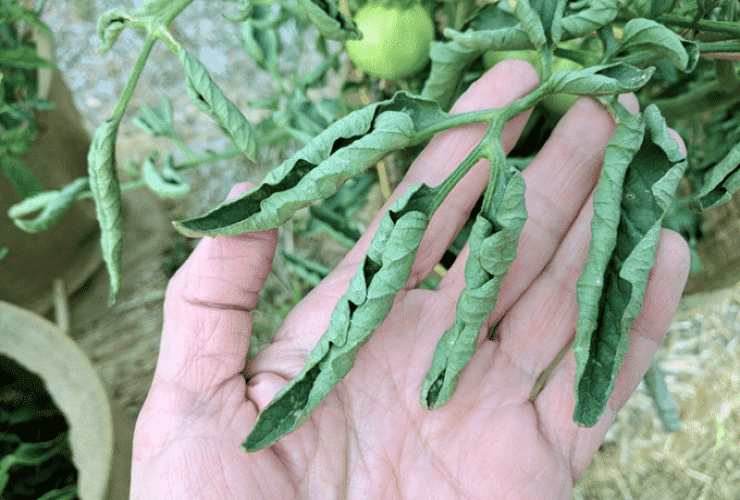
317, 171
642, 169
451, 59
598, 13
644, 34
109, 27
541, 19
106, 191
206, 94
531, 22
52, 205
449, 62
3, 252
167, 183
157, 121
364, 306
262, 45
721, 181
607, 79
335, 223
23, 57
493, 245
310, 270
664, 403
331, 23
23, 180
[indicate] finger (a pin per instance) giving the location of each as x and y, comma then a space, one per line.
542, 321
556, 402
558, 182
207, 325
501, 85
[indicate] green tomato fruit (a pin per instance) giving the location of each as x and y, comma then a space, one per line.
493, 57
395, 41
560, 103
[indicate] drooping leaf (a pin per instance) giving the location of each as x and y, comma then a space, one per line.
642, 169
449, 61
52, 206
495, 32
310, 270
106, 191
598, 13
22, 57
541, 19
329, 20
262, 45
166, 183
24, 181
645, 34
607, 79
345, 149
493, 244
110, 26
364, 306
721, 181
664, 403
208, 95
157, 121
531, 23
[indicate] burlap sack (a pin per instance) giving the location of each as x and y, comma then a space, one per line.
101, 444
70, 250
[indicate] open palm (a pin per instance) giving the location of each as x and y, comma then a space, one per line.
371, 438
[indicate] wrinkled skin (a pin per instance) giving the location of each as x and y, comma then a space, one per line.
371, 438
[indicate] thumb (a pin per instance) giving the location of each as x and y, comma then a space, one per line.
207, 321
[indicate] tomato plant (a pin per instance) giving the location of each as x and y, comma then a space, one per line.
665, 52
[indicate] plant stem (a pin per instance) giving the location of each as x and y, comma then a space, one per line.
726, 27
133, 79
726, 74
723, 46
180, 167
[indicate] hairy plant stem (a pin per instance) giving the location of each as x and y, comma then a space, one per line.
188, 164
724, 27
490, 146
133, 79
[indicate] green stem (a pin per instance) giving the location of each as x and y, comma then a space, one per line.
133, 79
462, 169
725, 27
180, 167
723, 46
726, 74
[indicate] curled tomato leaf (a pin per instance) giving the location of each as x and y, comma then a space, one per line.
329, 20
209, 97
493, 245
721, 181
642, 169
50, 205
345, 149
381, 275
106, 191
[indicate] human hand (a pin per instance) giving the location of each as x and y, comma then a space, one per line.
371, 438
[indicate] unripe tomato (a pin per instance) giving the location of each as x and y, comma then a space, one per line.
395, 40
493, 57
560, 103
